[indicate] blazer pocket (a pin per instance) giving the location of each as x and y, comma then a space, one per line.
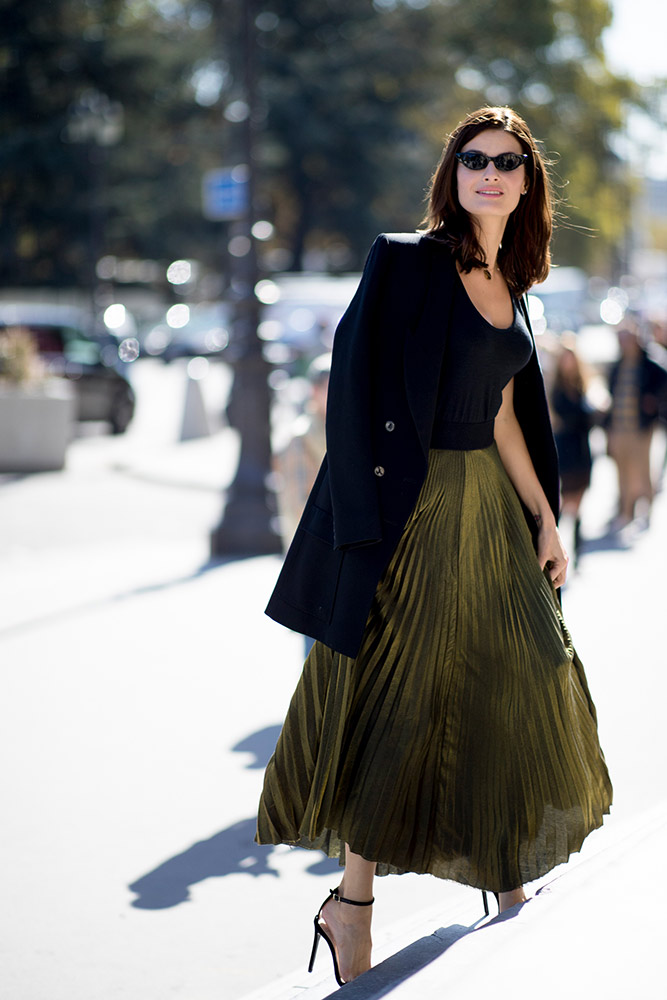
309, 578
318, 522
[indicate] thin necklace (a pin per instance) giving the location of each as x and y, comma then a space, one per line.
487, 270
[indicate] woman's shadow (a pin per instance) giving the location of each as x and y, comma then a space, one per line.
231, 851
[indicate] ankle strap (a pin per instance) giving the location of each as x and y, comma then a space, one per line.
353, 902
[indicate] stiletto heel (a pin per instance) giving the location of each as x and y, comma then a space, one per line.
486, 902
320, 933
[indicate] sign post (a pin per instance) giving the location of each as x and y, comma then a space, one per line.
224, 193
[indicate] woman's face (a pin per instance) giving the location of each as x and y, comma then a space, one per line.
491, 193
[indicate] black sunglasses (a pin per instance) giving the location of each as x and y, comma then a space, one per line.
503, 161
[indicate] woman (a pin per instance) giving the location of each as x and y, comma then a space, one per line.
573, 418
442, 723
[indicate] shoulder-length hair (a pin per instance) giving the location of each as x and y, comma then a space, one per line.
524, 257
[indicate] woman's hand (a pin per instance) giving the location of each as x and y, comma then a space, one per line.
515, 457
551, 551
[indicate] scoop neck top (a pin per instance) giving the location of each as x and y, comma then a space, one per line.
478, 361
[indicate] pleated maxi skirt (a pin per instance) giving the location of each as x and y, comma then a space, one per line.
462, 740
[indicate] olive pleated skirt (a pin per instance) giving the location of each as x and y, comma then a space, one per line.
462, 740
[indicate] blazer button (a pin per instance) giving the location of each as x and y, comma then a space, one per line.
379, 471
390, 425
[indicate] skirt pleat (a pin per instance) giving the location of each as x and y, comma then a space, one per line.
462, 740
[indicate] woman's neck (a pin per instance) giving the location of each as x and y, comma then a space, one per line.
489, 236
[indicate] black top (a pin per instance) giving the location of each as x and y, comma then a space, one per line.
479, 360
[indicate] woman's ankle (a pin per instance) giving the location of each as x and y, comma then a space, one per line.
506, 900
355, 894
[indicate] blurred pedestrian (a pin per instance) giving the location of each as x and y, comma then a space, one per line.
638, 386
297, 463
572, 416
657, 351
442, 723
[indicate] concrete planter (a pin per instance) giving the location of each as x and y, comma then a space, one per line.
36, 425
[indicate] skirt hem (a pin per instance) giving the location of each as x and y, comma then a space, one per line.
385, 868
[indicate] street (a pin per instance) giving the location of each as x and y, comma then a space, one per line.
143, 690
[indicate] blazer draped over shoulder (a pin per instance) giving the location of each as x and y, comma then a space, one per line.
387, 357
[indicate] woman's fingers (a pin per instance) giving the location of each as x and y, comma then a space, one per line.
552, 556
558, 570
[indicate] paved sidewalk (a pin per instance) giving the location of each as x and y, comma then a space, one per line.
141, 692
590, 931
595, 926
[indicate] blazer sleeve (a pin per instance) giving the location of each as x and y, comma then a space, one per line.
352, 479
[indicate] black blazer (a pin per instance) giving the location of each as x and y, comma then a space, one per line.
385, 372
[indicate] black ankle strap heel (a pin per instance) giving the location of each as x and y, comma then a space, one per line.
320, 933
334, 894
486, 902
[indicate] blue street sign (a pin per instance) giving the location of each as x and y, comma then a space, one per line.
224, 193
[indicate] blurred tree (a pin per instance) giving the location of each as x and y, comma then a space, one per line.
360, 95
355, 97
58, 59
338, 79
547, 62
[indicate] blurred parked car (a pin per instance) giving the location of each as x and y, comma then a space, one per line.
189, 331
90, 362
300, 315
566, 300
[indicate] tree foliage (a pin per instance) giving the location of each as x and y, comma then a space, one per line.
354, 100
67, 191
362, 95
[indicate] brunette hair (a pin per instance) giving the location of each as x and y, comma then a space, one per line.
524, 257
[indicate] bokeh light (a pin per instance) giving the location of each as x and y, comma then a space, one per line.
611, 312
115, 316
267, 291
178, 316
198, 368
263, 230
613, 307
538, 320
270, 329
128, 349
239, 246
179, 272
